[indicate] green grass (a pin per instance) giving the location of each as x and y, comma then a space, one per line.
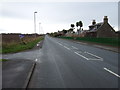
0, 49
3, 60
105, 41
20, 47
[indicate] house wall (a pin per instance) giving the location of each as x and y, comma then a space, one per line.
90, 34
106, 31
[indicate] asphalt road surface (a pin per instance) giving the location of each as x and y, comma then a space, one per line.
66, 64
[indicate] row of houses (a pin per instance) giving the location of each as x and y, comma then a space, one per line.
102, 29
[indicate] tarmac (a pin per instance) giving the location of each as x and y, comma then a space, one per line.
20, 70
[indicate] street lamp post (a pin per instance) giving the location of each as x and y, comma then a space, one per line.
35, 23
39, 28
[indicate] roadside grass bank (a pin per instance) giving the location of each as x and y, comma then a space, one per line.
26, 43
3, 60
105, 41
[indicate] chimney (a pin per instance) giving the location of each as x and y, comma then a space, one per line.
94, 22
105, 20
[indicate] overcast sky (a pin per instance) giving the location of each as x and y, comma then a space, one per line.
18, 17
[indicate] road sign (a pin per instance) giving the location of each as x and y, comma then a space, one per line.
21, 36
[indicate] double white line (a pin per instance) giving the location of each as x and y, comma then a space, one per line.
63, 46
99, 58
81, 56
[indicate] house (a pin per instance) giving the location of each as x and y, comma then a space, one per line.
118, 33
83, 33
103, 29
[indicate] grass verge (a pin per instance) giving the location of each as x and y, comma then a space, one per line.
20, 47
3, 60
105, 41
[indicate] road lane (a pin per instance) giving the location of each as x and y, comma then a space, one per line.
62, 68
110, 58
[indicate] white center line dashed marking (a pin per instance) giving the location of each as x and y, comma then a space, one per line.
66, 47
60, 44
99, 58
81, 56
74, 47
65, 44
111, 72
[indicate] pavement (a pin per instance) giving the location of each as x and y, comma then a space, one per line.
66, 64
17, 71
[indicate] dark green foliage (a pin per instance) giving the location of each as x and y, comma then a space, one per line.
64, 31
3, 60
80, 23
72, 25
77, 24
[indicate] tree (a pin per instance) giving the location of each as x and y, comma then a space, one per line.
64, 31
77, 24
72, 28
72, 25
80, 24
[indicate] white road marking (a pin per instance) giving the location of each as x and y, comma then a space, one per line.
111, 72
79, 51
57, 42
65, 44
66, 47
36, 60
37, 45
60, 44
74, 47
99, 58
96, 59
81, 55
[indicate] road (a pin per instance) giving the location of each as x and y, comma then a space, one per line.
66, 64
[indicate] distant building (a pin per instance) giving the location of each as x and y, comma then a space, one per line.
103, 29
118, 33
83, 33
